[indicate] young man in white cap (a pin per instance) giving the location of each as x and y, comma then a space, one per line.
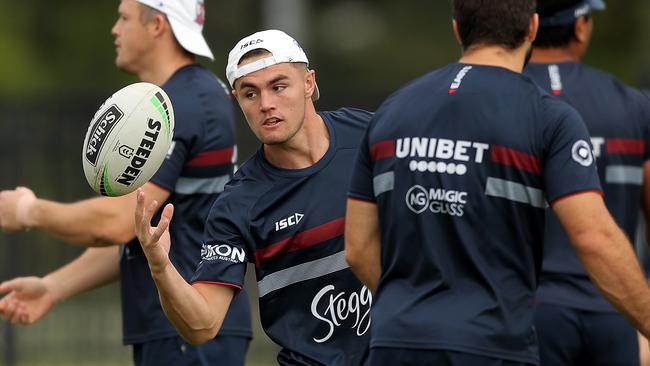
575, 323
158, 41
283, 210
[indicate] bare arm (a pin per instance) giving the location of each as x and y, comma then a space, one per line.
196, 311
31, 298
363, 242
92, 222
607, 255
646, 200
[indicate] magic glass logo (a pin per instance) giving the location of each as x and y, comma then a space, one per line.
101, 128
437, 200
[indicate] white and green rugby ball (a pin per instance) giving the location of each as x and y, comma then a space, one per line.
128, 139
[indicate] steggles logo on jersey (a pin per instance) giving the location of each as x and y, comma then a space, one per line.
334, 309
581, 153
436, 200
223, 252
289, 221
458, 151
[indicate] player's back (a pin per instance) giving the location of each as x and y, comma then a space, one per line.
462, 159
618, 119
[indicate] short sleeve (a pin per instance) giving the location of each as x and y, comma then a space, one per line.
569, 165
224, 254
361, 184
171, 168
645, 122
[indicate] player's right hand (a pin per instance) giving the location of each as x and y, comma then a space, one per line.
155, 241
28, 301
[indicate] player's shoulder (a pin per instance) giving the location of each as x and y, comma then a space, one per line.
348, 124
348, 116
610, 82
199, 98
193, 88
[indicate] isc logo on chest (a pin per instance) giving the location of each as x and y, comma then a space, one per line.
289, 221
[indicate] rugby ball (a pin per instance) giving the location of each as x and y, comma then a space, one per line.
128, 139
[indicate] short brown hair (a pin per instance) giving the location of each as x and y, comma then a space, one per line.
493, 22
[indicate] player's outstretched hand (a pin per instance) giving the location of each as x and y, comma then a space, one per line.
28, 301
155, 241
14, 207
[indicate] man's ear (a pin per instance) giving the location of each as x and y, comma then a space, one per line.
310, 83
454, 24
533, 27
582, 29
159, 25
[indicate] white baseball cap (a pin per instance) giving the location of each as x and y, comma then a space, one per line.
186, 18
283, 48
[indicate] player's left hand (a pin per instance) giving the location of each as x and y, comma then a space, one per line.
155, 241
14, 209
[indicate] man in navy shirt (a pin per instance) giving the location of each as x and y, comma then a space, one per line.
446, 211
575, 324
283, 211
158, 41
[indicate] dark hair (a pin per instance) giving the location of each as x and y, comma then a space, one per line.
493, 22
557, 36
251, 54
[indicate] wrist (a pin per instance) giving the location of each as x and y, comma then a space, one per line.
27, 212
54, 289
159, 270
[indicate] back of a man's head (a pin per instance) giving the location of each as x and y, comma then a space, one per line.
555, 36
493, 22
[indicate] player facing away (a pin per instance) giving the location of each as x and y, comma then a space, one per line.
446, 211
575, 324
158, 41
283, 211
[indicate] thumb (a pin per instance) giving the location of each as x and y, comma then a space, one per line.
16, 284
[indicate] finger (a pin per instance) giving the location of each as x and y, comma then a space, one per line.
163, 224
10, 310
139, 207
151, 210
168, 212
12, 285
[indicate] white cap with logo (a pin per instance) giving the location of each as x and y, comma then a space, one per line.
186, 18
283, 48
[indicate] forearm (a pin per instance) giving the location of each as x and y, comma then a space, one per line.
196, 318
96, 267
614, 269
367, 269
363, 242
90, 223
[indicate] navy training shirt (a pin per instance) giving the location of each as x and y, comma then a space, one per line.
461, 163
618, 119
290, 223
197, 167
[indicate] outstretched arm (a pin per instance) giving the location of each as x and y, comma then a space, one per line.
607, 255
92, 222
197, 311
363, 242
31, 298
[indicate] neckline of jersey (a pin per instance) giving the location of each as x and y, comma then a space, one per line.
320, 164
